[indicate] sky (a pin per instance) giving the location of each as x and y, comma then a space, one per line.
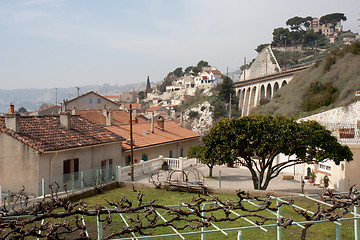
67, 43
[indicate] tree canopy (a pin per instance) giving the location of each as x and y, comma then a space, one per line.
254, 141
332, 18
225, 89
298, 23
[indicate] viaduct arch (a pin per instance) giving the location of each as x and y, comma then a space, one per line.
253, 91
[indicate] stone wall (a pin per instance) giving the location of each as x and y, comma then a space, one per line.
344, 115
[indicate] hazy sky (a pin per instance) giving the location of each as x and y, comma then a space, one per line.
65, 43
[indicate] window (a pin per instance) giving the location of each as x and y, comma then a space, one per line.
99, 101
107, 168
90, 101
145, 157
325, 166
181, 152
127, 160
84, 100
170, 154
70, 166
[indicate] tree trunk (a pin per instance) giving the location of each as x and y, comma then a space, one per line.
210, 171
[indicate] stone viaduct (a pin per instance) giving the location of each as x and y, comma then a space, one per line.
252, 91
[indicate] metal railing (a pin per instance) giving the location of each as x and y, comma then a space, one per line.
90, 178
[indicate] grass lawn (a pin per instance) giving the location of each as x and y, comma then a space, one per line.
165, 197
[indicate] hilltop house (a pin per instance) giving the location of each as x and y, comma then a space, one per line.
89, 101
185, 83
209, 77
53, 148
326, 29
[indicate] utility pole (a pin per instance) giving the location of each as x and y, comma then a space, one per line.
131, 146
55, 96
78, 91
244, 67
230, 113
227, 71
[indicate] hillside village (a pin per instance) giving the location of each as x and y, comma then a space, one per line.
108, 133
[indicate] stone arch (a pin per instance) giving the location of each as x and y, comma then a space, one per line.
283, 83
241, 98
276, 87
262, 92
252, 98
268, 91
246, 102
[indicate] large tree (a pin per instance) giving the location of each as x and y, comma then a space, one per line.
255, 141
298, 23
226, 88
333, 19
209, 154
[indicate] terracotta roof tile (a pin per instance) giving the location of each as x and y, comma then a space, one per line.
136, 106
44, 133
119, 116
143, 137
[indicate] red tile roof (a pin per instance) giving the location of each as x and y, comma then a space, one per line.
143, 137
119, 116
44, 133
136, 106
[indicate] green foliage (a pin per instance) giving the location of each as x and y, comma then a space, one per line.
218, 108
141, 95
279, 36
193, 114
188, 69
332, 18
22, 110
164, 83
178, 72
260, 47
318, 95
298, 23
225, 89
208, 154
199, 66
263, 137
329, 61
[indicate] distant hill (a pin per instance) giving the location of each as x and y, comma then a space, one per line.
327, 84
32, 99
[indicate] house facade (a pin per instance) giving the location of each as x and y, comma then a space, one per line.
167, 138
344, 123
89, 101
54, 148
209, 77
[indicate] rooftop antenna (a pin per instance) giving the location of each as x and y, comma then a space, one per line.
78, 89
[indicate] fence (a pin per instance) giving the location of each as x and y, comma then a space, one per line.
92, 177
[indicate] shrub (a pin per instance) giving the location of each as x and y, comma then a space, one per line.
318, 95
193, 114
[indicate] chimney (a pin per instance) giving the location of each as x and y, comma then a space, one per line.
12, 108
63, 107
160, 123
65, 120
109, 117
12, 119
152, 121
